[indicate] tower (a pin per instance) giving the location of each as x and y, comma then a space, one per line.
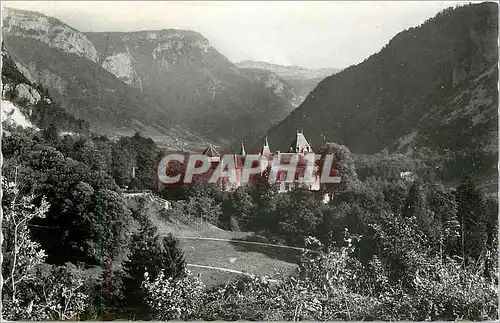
212, 153
300, 145
266, 151
242, 150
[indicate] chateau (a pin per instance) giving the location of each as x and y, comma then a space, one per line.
299, 148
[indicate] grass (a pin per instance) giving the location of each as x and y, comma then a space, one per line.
255, 259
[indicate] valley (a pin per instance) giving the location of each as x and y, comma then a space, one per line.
406, 232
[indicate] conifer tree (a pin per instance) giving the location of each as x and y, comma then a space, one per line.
149, 254
416, 207
444, 209
471, 215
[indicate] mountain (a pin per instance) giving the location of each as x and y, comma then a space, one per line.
28, 104
63, 60
166, 83
280, 87
302, 87
289, 72
197, 86
433, 86
299, 80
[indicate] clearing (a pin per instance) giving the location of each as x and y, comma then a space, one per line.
219, 255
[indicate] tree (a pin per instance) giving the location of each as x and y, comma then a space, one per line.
51, 133
299, 216
471, 215
344, 164
121, 165
21, 255
201, 204
91, 225
444, 207
264, 197
416, 207
238, 210
141, 152
59, 292
150, 254
31, 289
415, 201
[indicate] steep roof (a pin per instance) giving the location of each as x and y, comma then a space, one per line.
266, 151
300, 144
211, 152
242, 150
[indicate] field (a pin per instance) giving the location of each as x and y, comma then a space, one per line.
229, 253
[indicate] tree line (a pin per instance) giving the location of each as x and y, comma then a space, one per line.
386, 248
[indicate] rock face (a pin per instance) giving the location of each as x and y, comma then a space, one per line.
280, 87
64, 61
180, 71
47, 30
151, 81
27, 104
433, 86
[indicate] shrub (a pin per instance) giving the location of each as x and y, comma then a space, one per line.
55, 293
173, 299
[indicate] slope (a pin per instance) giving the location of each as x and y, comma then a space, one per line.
151, 81
28, 104
63, 60
275, 83
180, 71
418, 77
299, 80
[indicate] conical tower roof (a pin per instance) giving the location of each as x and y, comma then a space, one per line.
242, 150
211, 152
300, 144
266, 151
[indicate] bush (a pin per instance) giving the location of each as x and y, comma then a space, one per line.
55, 293
173, 299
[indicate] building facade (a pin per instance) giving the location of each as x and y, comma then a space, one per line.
300, 151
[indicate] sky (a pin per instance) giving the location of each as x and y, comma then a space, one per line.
305, 33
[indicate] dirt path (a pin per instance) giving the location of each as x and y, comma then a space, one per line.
226, 270
249, 242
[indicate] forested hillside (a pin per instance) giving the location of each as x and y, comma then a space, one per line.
427, 86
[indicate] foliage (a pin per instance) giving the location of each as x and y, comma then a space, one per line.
473, 219
345, 165
445, 290
107, 296
299, 215
31, 289
149, 253
334, 285
55, 293
21, 255
200, 205
93, 223
237, 210
173, 299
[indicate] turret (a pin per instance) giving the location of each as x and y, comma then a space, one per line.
300, 144
212, 153
242, 150
266, 151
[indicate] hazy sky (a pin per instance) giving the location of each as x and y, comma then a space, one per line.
305, 33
